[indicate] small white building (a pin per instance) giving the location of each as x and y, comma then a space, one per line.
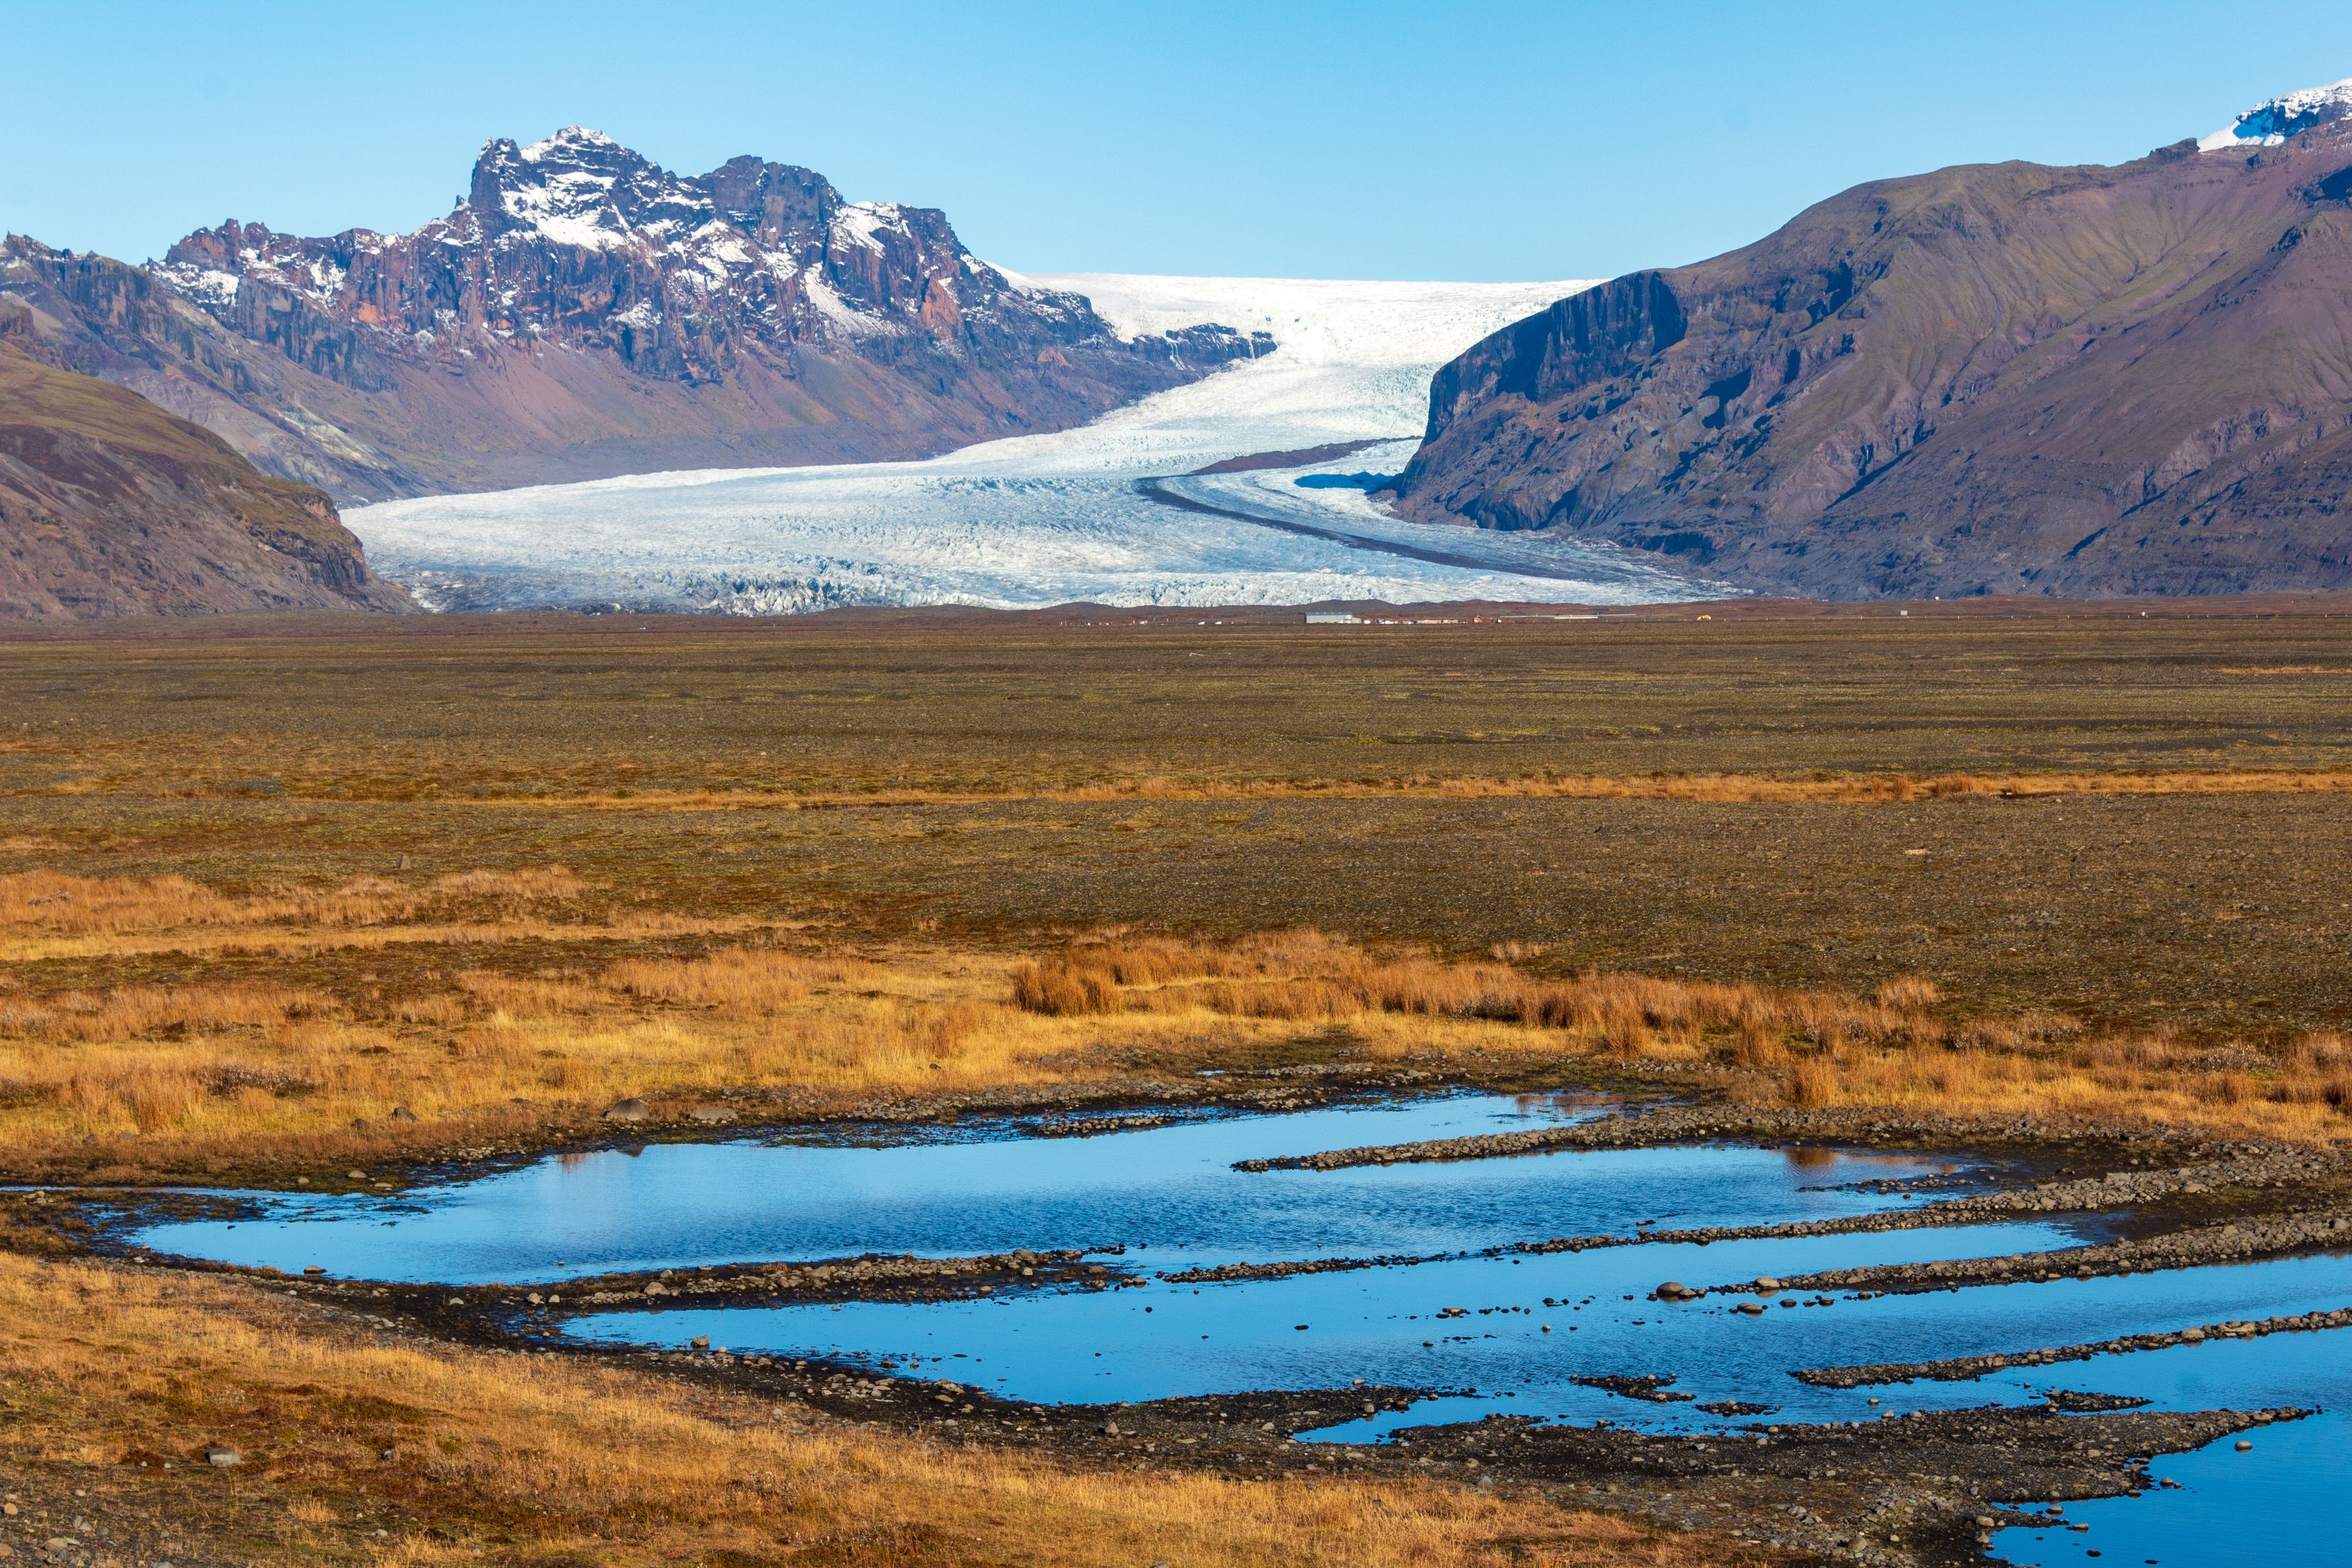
1332, 618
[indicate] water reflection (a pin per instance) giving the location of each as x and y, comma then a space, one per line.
1502, 1332
1169, 1193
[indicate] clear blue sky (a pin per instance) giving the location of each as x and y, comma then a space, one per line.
1470, 140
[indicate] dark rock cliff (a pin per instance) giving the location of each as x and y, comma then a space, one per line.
1993, 379
112, 508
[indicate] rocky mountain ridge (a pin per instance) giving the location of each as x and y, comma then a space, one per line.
1995, 378
583, 313
111, 507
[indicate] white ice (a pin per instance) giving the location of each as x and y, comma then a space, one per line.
1056, 519
2258, 126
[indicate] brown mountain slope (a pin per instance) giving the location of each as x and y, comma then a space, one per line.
111, 507
1992, 379
585, 313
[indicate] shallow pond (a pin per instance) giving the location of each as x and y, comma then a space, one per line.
1473, 1324
1169, 1192
2272, 1504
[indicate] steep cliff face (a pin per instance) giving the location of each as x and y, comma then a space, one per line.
585, 313
2005, 378
110, 507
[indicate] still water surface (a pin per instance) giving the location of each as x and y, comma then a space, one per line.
1170, 1197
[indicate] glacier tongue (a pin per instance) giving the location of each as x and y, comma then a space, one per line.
2272, 121
1054, 519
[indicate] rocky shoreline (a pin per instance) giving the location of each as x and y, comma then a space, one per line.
2230, 1242
1682, 1123
1968, 1369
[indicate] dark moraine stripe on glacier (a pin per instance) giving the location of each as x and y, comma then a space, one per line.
1598, 573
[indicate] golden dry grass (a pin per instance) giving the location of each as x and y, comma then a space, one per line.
1808, 1049
45, 902
1818, 786
166, 1078
549, 1460
47, 915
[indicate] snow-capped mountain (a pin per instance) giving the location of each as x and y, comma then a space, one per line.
2270, 123
584, 311
577, 240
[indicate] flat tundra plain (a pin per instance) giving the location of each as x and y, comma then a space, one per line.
280, 901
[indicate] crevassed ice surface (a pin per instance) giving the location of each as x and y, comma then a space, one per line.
1061, 518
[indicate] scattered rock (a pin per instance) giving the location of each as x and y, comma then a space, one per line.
1655, 1387
2075, 1403
631, 1109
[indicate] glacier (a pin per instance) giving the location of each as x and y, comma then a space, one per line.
1109, 513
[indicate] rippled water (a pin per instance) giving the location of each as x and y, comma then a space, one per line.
1171, 1196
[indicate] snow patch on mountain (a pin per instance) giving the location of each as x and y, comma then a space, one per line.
1052, 518
2272, 121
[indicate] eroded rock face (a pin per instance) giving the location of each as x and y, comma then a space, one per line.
584, 312
112, 508
2005, 378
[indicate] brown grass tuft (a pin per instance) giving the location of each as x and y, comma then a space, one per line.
1813, 1083
1908, 993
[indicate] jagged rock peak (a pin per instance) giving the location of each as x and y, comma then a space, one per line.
577, 240
2270, 123
581, 187
751, 315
